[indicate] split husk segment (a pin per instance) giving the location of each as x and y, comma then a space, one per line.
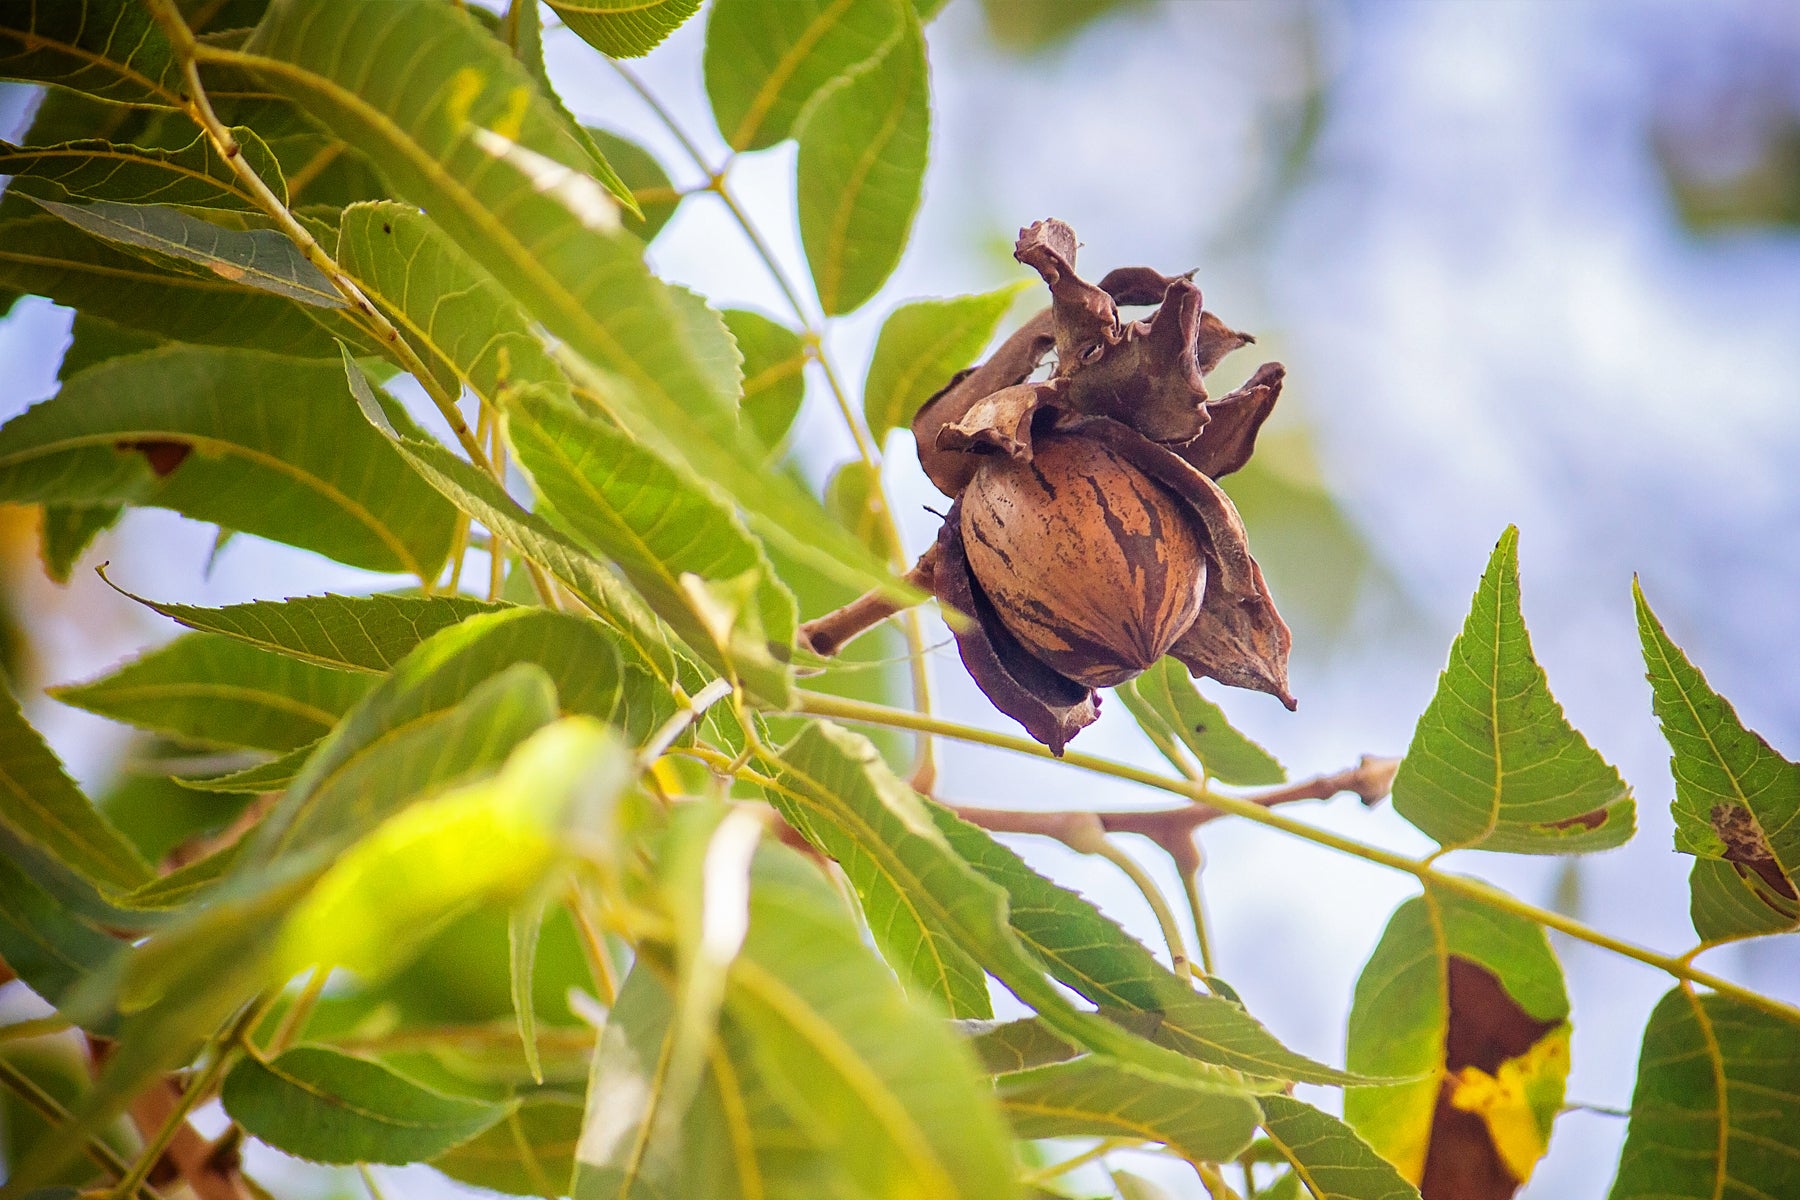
1088, 535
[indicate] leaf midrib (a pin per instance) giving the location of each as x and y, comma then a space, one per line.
810, 1024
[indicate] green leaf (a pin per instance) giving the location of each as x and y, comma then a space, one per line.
590, 288
616, 1155
490, 842
97, 169
937, 878
624, 28
1462, 992
1136, 1187
482, 498
661, 526
1094, 1096
1726, 902
1736, 799
736, 1141
861, 172
1717, 1106
221, 692
41, 804
1494, 764
1171, 711
862, 1066
650, 185
323, 1106
112, 49
1089, 953
68, 530
445, 304
262, 443
334, 793
49, 948
1005, 1046
524, 924
853, 495
922, 344
173, 990
1327, 1156
347, 633
154, 811
95, 339
180, 886
774, 373
586, 284
766, 59
47, 256
272, 776
265, 259
832, 786
528, 1152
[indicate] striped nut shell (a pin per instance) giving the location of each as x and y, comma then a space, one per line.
1094, 568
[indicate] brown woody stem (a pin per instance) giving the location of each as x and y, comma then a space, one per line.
210, 1170
830, 633
1173, 828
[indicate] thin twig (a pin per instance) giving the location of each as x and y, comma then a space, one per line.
497, 550
1099, 1150
225, 1050
52, 1111
593, 944
1165, 917
293, 1022
1190, 887
210, 1169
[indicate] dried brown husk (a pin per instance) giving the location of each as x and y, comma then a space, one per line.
1126, 402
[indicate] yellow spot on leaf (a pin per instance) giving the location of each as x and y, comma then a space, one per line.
1519, 1101
512, 122
225, 270
465, 89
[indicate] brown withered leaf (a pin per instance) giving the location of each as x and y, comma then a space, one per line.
1138, 286
1487, 1029
1017, 357
1229, 438
1000, 423
1213, 341
1087, 320
1149, 378
1241, 641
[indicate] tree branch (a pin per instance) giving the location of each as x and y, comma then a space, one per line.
817, 704
827, 635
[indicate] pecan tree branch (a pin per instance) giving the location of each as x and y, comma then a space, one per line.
1173, 828
827, 635
211, 1170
